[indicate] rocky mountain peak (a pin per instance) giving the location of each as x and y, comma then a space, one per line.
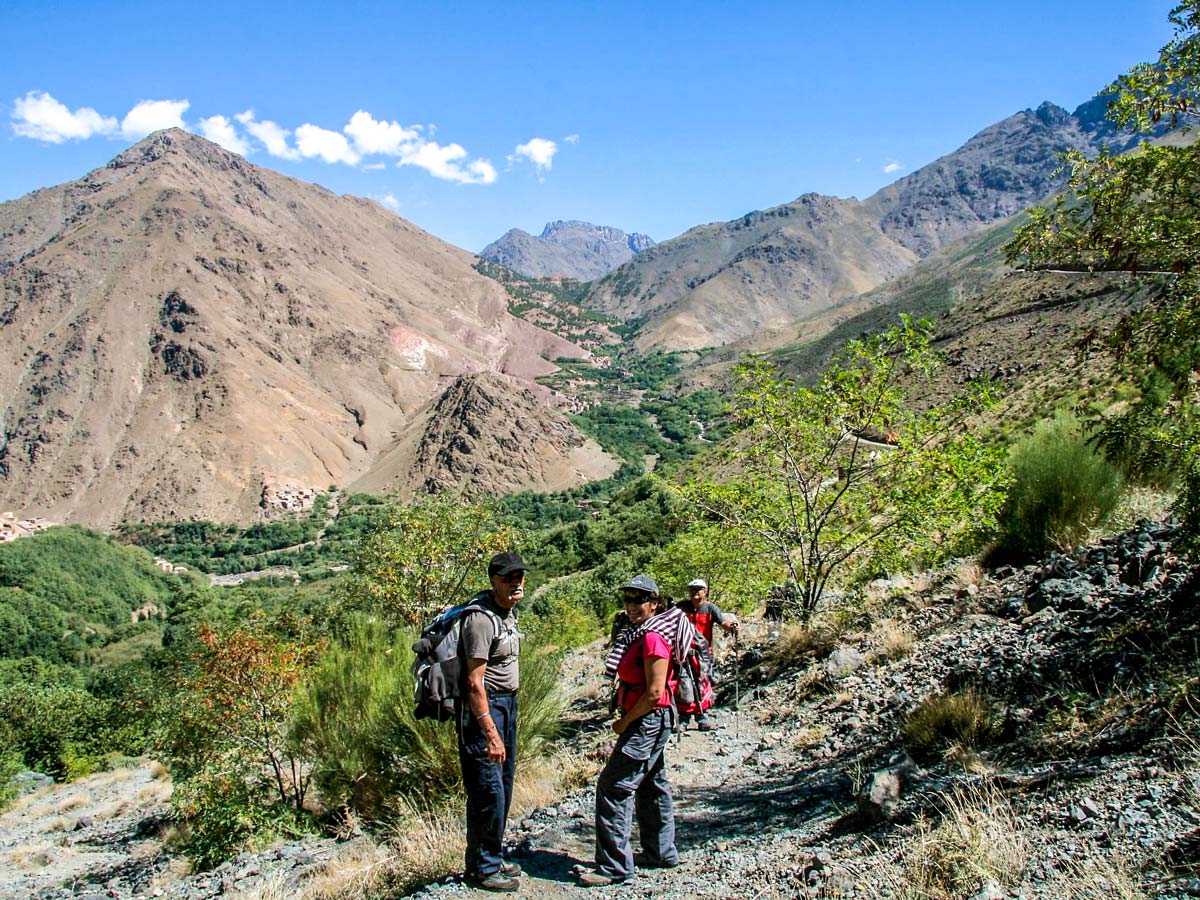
1051, 114
486, 435
567, 247
181, 326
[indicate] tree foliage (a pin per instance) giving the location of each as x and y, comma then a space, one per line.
420, 558
230, 712
1140, 212
825, 498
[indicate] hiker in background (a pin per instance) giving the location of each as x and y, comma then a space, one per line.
703, 614
487, 722
644, 660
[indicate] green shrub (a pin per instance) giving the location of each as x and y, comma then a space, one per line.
10, 765
345, 719
53, 728
354, 719
223, 817
961, 720
1061, 487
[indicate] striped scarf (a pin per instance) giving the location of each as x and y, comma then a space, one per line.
672, 625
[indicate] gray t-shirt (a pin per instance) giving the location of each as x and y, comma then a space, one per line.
481, 639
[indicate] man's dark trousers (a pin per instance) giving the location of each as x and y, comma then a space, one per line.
488, 786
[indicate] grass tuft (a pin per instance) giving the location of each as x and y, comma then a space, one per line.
959, 722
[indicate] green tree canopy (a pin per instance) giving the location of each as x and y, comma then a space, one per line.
421, 558
847, 472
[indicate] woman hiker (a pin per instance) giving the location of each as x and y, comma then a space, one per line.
645, 660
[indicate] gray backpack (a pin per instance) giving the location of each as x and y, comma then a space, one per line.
438, 672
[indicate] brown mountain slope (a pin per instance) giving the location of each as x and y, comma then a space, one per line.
485, 435
179, 326
736, 281
723, 281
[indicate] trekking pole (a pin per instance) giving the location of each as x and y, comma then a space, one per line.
737, 690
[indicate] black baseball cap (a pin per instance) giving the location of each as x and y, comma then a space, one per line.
506, 564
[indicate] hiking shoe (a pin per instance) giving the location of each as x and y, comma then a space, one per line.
653, 862
497, 881
705, 725
596, 879
511, 869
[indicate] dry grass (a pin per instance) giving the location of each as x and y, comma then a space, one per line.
954, 723
159, 772
1136, 503
893, 639
158, 792
810, 737
60, 823
967, 574
799, 644
1097, 877
978, 839
66, 804
30, 857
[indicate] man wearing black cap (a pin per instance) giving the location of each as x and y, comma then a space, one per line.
487, 722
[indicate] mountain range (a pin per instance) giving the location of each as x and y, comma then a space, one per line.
184, 334
574, 249
181, 330
728, 281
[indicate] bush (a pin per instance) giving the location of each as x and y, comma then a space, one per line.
55, 730
354, 719
1061, 487
962, 721
10, 766
978, 839
224, 816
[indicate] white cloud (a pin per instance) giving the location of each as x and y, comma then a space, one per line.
41, 117
893, 166
331, 146
273, 137
390, 201
571, 139
371, 136
445, 163
220, 130
153, 115
538, 151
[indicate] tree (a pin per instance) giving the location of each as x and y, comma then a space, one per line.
847, 472
230, 713
1140, 212
418, 558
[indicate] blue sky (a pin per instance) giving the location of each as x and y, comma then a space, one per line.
470, 118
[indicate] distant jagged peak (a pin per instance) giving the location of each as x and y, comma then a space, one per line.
557, 230
566, 247
1052, 113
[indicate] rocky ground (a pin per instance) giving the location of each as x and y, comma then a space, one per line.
1089, 785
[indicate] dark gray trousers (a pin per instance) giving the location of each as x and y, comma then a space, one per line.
635, 777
